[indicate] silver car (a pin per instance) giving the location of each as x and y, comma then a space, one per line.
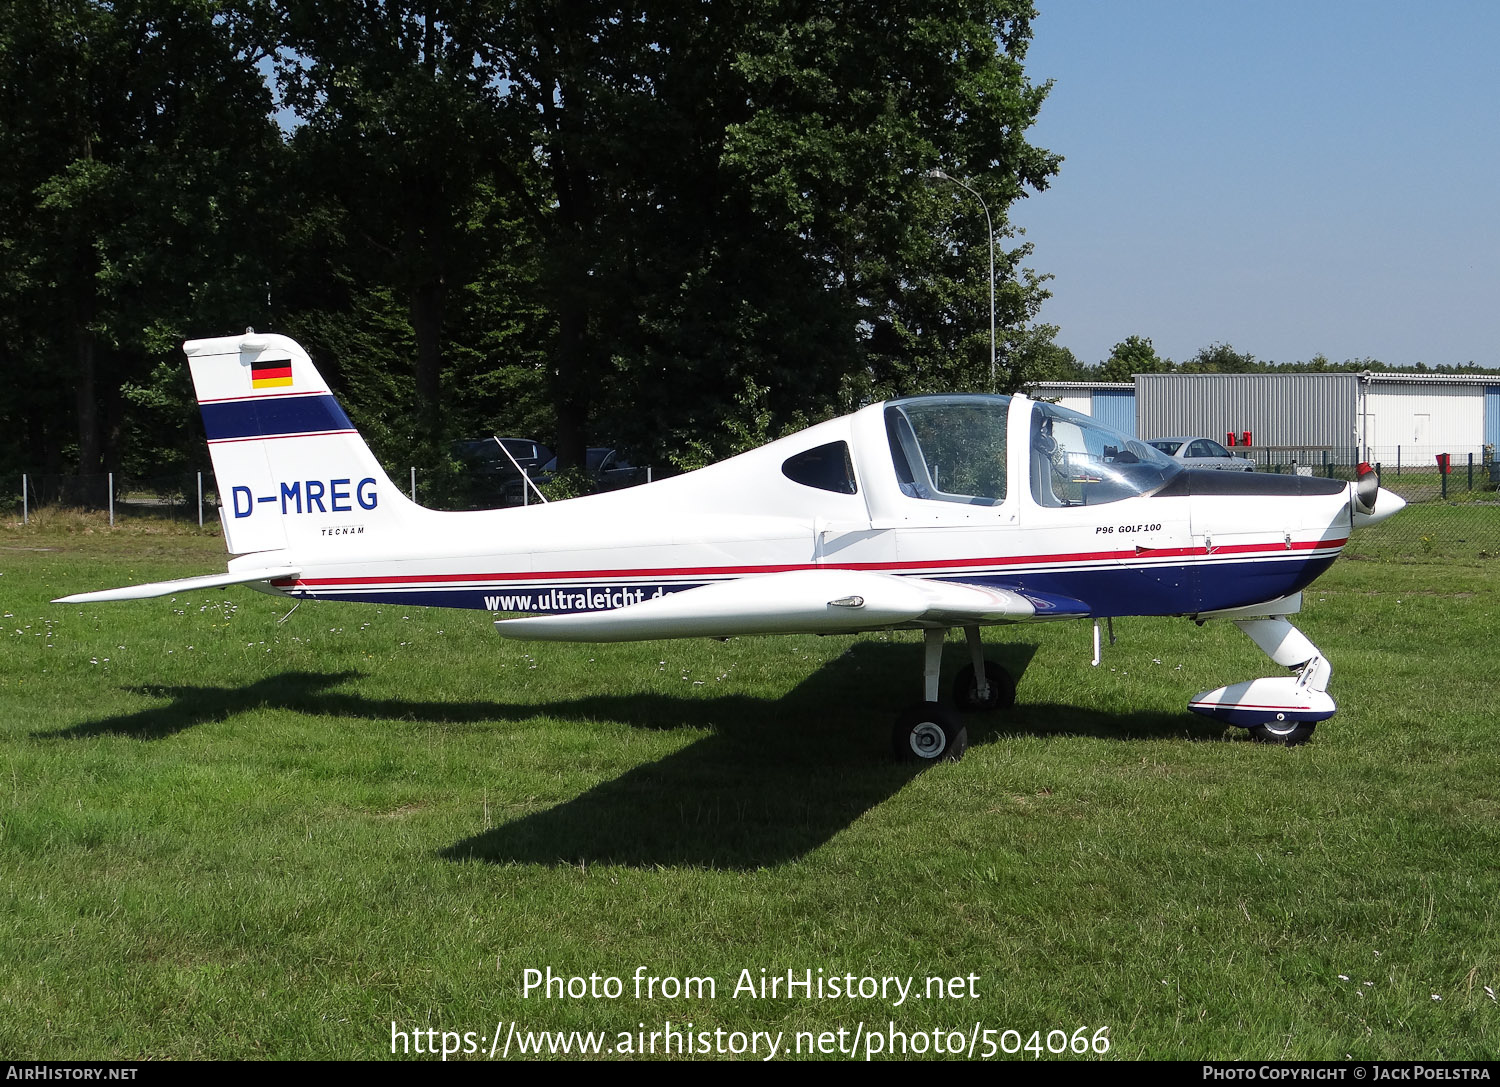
1192, 451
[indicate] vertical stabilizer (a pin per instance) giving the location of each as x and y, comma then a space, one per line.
290, 467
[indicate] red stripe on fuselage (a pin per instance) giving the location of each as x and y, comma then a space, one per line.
740, 571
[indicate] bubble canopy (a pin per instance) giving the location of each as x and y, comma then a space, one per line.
954, 449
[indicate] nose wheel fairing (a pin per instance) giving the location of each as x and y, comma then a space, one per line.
1265, 701
1278, 702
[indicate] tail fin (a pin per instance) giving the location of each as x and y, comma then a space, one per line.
291, 468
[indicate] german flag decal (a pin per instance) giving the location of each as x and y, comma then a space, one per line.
271, 374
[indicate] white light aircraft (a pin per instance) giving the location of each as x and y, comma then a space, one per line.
925, 513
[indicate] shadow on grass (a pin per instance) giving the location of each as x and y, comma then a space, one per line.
192, 706
774, 780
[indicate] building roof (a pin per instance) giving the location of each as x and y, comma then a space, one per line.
1491, 377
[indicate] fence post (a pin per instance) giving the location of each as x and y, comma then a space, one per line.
110, 483
200, 499
25, 510
1443, 475
1471, 471
1398, 460
413, 482
1327, 468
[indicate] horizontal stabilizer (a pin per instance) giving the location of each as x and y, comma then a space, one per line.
181, 585
798, 601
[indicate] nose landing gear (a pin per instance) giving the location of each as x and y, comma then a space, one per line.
1282, 709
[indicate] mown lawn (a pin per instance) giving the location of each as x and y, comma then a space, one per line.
225, 835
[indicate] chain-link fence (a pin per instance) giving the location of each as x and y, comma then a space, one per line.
1453, 506
193, 496
181, 496
1417, 473
1453, 502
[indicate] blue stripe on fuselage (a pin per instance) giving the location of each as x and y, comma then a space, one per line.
1176, 589
539, 599
271, 416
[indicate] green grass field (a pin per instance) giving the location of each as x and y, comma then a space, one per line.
223, 835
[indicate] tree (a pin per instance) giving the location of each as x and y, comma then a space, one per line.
1220, 358
395, 159
855, 104
1133, 355
666, 224
733, 209
138, 143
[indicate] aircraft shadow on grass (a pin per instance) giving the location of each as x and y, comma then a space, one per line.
774, 780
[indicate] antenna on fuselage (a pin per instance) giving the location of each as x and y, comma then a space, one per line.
525, 479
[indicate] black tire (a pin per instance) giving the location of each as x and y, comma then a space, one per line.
928, 732
1283, 733
966, 690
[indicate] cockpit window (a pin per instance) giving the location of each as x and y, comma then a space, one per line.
949, 448
828, 468
1077, 462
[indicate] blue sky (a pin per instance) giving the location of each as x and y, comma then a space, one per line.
1289, 178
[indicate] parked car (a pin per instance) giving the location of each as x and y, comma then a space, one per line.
1192, 451
609, 468
491, 477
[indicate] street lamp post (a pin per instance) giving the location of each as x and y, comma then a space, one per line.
938, 174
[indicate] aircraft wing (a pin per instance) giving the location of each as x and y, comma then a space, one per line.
180, 585
797, 601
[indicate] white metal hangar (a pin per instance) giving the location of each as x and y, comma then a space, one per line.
1393, 418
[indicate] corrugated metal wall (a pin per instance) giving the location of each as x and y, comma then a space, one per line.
1422, 421
1074, 401
1302, 410
1492, 415
1115, 408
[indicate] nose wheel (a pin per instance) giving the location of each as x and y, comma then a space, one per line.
1285, 733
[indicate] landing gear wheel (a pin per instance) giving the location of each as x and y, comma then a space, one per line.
928, 732
1285, 733
1002, 692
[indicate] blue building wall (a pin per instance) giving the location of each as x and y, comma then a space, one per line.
1492, 415
1116, 408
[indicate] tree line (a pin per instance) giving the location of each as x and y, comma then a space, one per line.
1137, 355
682, 226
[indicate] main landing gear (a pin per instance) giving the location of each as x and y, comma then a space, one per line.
929, 731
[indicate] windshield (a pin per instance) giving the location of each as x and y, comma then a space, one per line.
1169, 448
1077, 462
949, 448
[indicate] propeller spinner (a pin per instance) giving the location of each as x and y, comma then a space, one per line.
1369, 502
